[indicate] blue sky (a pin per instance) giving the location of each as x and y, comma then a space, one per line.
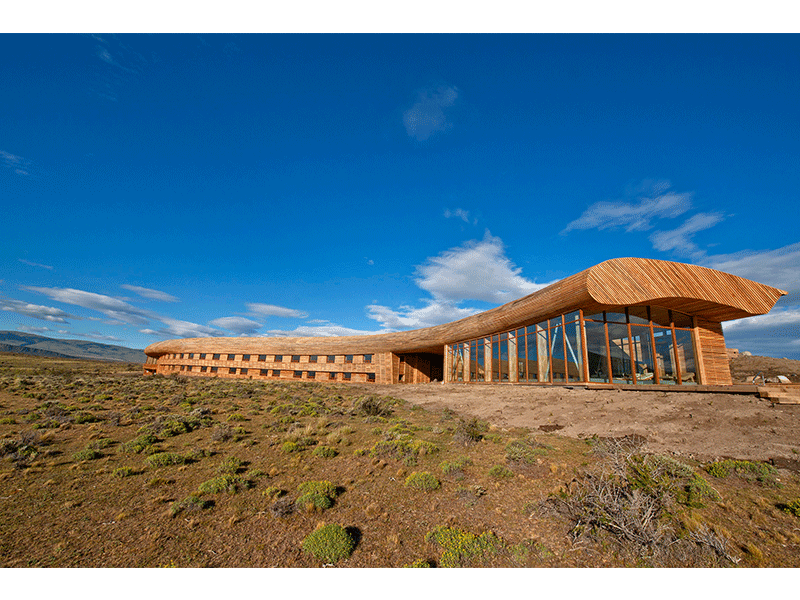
165, 186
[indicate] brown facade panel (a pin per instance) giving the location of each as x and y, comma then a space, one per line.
716, 368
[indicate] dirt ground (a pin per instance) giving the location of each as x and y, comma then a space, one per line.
697, 425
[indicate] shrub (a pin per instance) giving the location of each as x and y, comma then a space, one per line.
236, 417
140, 443
86, 417
420, 563
793, 508
423, 481
523, 452
122, 472
273, 492
100, 444
500, 472
164, 459
372, 406
460, 546
403, 447
329, 544
469, 432
325, 452
86, 454
190, 503
230, 465
751, 471
289, 447
456, 466
224, 483
173, 427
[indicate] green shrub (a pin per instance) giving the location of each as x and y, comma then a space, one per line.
8, 421
420, 563
86, 417
86, 454
325, 452
140, 443
456, 466
403, 447
190, 503
100, 444
289, 447
317, 500
500, 472
423, 481
793, 508
469, 432
523, 452
751, 471
230, 465
123, 472
326, 488
173, 427
329, 544
236, 417
460, 546
224, 483
372, 406
164, 459
273, 492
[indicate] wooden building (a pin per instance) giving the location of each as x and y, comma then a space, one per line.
624, 321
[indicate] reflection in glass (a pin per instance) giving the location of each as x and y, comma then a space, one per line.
573, 316
480, 363
596, 350
522, 374
616, 317
543, 351
643, 354
665, 361
495, 359
620, 353
557, 353
532, 362
638, 314
574, 351
503, 368
685, 351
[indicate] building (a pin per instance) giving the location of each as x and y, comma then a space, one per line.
625, 321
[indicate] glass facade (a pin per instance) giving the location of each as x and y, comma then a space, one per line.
639, 345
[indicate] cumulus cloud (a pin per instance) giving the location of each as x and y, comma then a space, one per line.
37, 311
458, 213
330, 330
15, 163
111, 307
477, 270
150, 294
238, 325
185, 329
427, 115
778, 268
408, 317
680, 239
96, 335
34, 329
636, 215
271, 310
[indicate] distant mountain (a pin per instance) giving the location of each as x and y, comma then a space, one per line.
28, 343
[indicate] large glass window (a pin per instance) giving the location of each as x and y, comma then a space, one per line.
643, 354
574, 357
665, 357
684, 349
543, 350
532, 363
620, 353
495, 358
597, 352
557, 351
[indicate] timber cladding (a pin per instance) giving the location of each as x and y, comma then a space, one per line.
708, 295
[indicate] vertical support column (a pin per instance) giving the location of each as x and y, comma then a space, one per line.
487, 359
448, 364
698, 353
513, 376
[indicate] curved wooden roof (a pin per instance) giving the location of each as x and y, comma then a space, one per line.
698, 291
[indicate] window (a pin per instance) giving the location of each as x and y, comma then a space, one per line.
312, 358
203, 369
181, 355
232, 370
295, 358
262, 357
347, 376
216, 357
368, 358
202, 357
191, 355
245, 357
276, 372
298, 374
331, 375
231, 356
183, 367
331, 358
278, 358
348, 358
189, 368
264, 372
214, 369
243, 371
311, 374
371, 377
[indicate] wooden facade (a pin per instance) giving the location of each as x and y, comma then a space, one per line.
644, 290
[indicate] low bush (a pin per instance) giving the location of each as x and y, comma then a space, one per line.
523, 452
462, 547
469, 432
140, 443
456, 466
500, 472
224, 483
372, 406
420, 563
329, 544
164, 459
123, 472
87, 454
230, 466
189, 504
752, 471
325, 452
423, 481
85, 417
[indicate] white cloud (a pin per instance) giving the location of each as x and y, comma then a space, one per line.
33, 264
680, 239
634, 215
271, 310
150, 294
320, 331
95, 335
185, 329
37, 311
408, 317
477, 270
779, 268
458, 213
238, 325
16, 163
111, 307
427, 115
34, 329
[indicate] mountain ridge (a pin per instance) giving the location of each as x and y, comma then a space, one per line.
29, 343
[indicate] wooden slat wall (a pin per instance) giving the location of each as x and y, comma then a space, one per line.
716, 369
